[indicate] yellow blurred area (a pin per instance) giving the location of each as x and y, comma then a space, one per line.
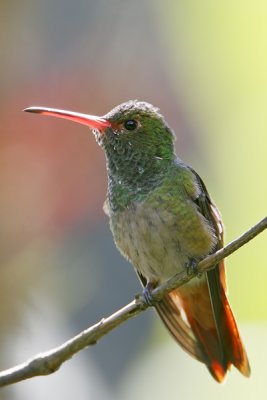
204, 64
222, 55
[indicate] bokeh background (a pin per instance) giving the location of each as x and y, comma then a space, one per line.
204, 64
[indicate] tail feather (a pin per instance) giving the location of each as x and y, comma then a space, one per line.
234, 348
199, 317
171, 316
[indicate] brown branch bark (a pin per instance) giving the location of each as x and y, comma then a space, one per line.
48, 362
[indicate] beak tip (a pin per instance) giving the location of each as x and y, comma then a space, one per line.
31, 109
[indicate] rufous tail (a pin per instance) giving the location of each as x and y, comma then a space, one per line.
199, 317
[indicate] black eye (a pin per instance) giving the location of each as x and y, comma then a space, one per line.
130, 125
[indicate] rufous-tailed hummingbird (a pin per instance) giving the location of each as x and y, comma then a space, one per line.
163, 221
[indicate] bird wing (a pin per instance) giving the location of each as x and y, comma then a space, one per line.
229, 340
198, 314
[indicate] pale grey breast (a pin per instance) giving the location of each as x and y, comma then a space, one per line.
147, 237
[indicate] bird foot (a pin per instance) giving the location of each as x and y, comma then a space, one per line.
147, 295
191, 267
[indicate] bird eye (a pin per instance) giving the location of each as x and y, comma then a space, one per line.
130, 125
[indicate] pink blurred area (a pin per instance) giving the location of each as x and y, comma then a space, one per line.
52, 174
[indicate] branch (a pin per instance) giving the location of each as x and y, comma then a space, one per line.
48, 362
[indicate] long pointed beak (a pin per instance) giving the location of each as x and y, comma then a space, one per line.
93, 122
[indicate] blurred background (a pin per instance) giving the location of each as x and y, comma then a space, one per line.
205, 65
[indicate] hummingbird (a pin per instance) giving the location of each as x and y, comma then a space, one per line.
163, 221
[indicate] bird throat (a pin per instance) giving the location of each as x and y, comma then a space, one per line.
131, 178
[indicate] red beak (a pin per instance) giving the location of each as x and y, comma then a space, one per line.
93, 122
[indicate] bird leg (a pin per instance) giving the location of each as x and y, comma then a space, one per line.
147, 295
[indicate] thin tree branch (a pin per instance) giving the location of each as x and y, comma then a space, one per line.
48, 362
